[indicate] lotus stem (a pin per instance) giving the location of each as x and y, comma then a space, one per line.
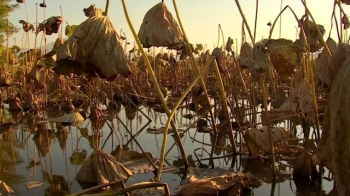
256, 17
272, 151
155, 83
106, 9
225, 106
296, 18
202, 83
137, 143
245, 21
281, 20
177, 104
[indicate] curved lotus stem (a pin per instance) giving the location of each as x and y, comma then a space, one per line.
177, 104
156, 85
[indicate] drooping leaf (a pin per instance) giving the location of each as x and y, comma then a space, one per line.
95, 49
332, 148
70, 30
300, 100
283, 56
101, 168
159, 28
50, 25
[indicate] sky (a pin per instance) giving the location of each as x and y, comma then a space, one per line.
200, 18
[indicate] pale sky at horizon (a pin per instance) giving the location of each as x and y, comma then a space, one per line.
199, 17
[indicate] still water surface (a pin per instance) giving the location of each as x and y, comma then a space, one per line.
26, 157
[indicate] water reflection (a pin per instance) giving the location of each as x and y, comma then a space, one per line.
53, 153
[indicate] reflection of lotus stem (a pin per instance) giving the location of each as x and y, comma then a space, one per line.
155, 83
272, 151
177, 104
137, 143
194, 63
225, 106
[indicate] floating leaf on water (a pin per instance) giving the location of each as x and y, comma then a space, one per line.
95, 48
155, 191
102, 168
159, 28
258, 139
161, 130
34, 184
211, 182
283, 56
74, 118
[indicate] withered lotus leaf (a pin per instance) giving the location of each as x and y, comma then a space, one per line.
51, 25
261, 61
300, 100
347, 2
94, 47
312, 37
333, 150
26, 26
159, 28
283, 56
340, 54
219, 59
257, 139
322, 69
245, 55
101, 167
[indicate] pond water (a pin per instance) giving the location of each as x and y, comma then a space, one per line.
47, 156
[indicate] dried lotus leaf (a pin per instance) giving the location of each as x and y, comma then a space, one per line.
322, 69
333, 150
312, 36
159, 28
94, 47
245, 56
258, 139
300, 100
219, 60
261, 60
101, 167
339, 56
347, 2
283, 56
